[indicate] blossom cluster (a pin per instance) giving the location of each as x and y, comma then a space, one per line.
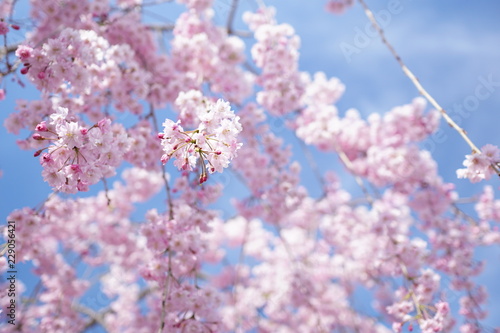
482, 165
78, 156
213, 143
80, 62
382, 149
276, 53
299, 243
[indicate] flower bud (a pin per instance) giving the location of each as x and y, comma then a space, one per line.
38, 137
42, 127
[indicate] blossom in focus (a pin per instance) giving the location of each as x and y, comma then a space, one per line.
213, 143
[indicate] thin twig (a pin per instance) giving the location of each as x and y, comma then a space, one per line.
152, 114
161, 27
415, 81
241, 259
312, 162
230, 17
11, 13
467, 217
348, 164
166, 293
96, 317
38, 208
106, 191
250, 68
102, 313
8, 49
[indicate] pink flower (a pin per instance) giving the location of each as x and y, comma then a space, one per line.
70, 134
213, 142
24, 52
479, 165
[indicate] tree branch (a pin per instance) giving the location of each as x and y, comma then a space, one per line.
230, 17
415, 81
96, 317
161, 27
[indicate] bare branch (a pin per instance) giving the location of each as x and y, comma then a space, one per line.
161, 27
230, 17
152, 115
415, 81
166, 293
348, 164
7, 50
96, 317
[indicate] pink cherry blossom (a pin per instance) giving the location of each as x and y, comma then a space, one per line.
213, 142
227, 189
480, 166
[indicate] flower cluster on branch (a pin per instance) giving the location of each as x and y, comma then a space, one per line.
243, 126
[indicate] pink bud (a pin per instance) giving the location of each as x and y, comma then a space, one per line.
37, 153
15, 26
203, 178
42, 127
37, 136
84, 131
41, 75
161, 135
165, 158
24, 70
218, 152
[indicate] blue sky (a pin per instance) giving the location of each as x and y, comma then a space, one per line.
452, 47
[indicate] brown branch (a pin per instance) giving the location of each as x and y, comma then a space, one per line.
230, 17
106, 191
9, 49
96, 317
160, 27
415, 81
5, 52
166, 293
348, 164
152, 115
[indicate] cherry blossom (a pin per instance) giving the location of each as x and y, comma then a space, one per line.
227, 189
481, 165
213, 143
79, 157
